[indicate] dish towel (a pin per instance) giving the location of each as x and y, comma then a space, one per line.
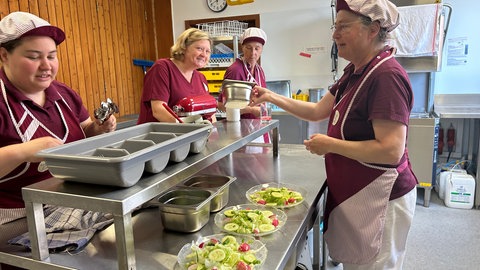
68, 228
418, 33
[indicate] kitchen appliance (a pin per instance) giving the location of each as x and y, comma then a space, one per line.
422, 143
281, 87
204, 105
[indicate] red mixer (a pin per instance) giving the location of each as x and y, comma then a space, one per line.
204, 105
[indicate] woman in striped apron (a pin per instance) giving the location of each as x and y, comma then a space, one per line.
371, 187
36, 111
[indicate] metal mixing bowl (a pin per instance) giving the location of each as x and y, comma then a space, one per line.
236, 92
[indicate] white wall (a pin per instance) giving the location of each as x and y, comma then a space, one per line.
296, 25
291, 27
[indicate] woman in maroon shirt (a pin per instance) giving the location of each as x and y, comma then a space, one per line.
36, 111
171, 79
371, 186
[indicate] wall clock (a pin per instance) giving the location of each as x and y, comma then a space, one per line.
217, 5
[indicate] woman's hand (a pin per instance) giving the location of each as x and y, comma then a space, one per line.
32, 147
108, 125
259, 95
318, 144
92, 128
13, 155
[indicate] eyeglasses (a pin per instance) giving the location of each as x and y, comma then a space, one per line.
342, 28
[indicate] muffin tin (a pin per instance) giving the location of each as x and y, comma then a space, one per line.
119, 158
187, 206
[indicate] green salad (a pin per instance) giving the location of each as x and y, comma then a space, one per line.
276, 196
222, 254
249, 221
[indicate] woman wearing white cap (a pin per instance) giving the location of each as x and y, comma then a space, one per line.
247, 68
36, 111
371, 186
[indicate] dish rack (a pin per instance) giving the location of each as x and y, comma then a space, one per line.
223, 28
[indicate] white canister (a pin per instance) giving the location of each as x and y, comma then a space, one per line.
233, 114
459, 190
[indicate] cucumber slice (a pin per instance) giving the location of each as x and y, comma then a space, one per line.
267, 213
217, 255
231, 227
229, 213
252, 215
276, 194
266, 227
229, 239
249, 258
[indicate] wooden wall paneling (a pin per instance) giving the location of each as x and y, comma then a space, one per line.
102, 39
63, 74
130, 49
23, 5
33, 6
163, 25
13, 5
80, 52
106, 42
116, 43
135, 75
4, 9
64, 20
137, 51
126, 57
94, 53
112, 44
43, 10
104, 59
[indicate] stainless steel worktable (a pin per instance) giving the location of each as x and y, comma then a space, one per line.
146, 245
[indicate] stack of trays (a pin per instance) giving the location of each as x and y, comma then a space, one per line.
119, 158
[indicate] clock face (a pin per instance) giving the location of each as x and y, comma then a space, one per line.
217, 5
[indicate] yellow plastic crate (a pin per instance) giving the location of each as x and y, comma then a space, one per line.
213, 75
214, 87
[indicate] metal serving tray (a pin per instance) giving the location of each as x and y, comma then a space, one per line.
184, 210
119, 158
219, 185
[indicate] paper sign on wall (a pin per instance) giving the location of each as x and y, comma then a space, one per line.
457, 51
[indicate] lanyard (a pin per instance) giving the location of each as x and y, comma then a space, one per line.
250, 77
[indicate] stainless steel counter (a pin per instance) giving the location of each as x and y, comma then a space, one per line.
141, 242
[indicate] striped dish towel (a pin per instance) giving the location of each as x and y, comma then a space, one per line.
68, 228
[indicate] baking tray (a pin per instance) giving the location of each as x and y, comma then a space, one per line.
119, 158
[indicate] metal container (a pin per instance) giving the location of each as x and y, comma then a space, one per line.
219, 185
315, 94
237, 93
184, 210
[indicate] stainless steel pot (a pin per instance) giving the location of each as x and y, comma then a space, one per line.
237, 92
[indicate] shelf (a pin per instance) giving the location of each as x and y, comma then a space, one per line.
226, 138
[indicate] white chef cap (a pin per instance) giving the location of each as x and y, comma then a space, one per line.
20, 24
383, 11
253, 34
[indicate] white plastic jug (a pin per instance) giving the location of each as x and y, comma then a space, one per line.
442, 179
459, 190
